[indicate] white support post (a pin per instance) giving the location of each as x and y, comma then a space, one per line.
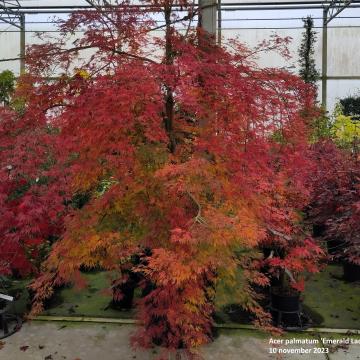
208, 10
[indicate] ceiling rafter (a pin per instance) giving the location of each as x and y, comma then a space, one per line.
335, 8
10, 12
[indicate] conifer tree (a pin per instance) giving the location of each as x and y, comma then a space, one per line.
308, 70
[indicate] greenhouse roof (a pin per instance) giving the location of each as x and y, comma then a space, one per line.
71, 4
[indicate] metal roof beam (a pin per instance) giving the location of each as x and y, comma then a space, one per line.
226, 7
335, 8
10, 13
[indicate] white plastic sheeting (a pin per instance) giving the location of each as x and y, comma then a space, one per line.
343, 40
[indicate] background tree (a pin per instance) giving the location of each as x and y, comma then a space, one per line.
7, 86
335, 205
350, 106
308, 70
320, 122
31, 198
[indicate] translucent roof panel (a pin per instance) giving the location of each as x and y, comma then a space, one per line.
72, 3
272, 2
51, 3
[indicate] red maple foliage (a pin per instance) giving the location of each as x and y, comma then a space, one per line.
335, 206
31, 197
178, 146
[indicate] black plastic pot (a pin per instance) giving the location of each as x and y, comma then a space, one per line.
318, 229
274, 282
127, 298
126, 289
3, 305
351, 271
335, 246
285, 308
285, 302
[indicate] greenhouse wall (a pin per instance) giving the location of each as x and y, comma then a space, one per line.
343, 39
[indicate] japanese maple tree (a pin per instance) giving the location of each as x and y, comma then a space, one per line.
31, 201
335, 204
186, 154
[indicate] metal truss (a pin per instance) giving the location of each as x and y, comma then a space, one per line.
99, 4
10, 12
330, 12
335, 8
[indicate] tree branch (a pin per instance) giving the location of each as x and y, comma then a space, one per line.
278, 233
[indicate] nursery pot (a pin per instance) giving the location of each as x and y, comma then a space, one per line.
127, 290
274, 282
351, 271
318, 229
3, 306
286, 302
127, 299
286, 308
335, 246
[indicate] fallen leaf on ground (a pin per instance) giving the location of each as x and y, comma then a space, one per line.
2, 344
24, 347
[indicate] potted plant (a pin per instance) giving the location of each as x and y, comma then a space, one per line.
291, 259
345, 224
123, 288
336, 204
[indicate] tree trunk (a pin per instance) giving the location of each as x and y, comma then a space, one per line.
169, 95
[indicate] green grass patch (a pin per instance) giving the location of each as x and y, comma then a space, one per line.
332, 302
93, 300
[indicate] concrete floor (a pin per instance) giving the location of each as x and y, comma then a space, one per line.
87, 341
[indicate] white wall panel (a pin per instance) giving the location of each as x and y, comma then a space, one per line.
343, 41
